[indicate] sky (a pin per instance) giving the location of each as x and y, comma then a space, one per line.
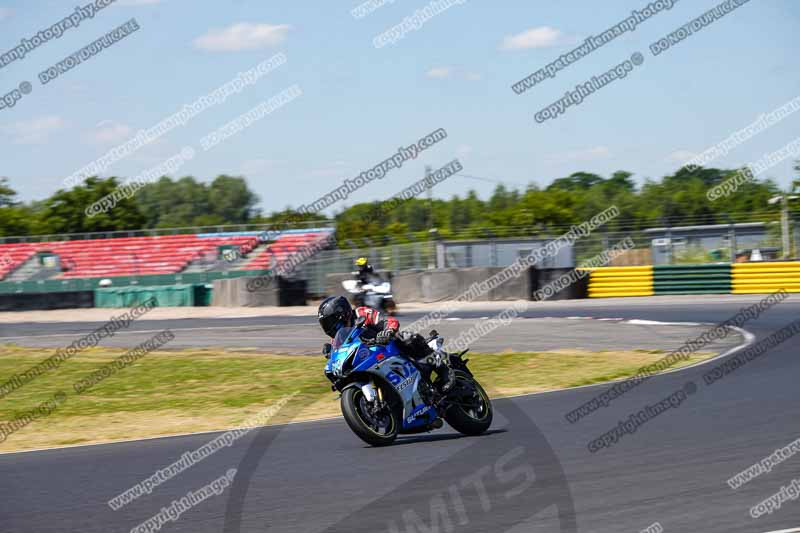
360, 102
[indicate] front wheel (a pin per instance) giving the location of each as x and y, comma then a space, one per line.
375, 426
469, 410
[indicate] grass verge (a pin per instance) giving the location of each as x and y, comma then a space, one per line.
170, 392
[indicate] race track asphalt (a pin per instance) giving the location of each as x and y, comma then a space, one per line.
303, 336
532, 472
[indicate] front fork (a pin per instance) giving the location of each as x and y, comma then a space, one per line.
371, 392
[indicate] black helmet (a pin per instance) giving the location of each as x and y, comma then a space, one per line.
334, 313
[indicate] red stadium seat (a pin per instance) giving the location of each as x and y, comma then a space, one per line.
282, 248
165, 254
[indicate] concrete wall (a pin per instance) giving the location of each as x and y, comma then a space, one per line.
445, 284
281, 292
234, 293
543, 278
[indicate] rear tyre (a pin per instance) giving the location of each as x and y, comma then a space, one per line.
375, 428
470, 410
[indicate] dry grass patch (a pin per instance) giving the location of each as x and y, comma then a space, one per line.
170, 392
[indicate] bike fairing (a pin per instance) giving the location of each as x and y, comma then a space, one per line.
350, 354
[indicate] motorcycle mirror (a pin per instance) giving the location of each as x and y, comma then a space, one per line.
326, 350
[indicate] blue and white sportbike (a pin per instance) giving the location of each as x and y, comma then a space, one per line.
384, 394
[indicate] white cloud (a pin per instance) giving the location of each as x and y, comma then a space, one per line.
6, 12
446, 72
242, 36
33, 131
110, 132
439, 73
541, 37
588, 154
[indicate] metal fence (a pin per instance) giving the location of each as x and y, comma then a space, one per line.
393, 258
691, 245
188, 230
756, 241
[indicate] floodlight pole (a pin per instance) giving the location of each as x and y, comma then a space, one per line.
785, 227
784, 200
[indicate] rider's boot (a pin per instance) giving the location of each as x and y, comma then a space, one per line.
446, 378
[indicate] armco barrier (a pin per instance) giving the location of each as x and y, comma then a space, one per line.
608, 282
692, 279
760, 278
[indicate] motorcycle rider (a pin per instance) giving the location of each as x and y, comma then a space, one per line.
372, 290
335, 313
364, 271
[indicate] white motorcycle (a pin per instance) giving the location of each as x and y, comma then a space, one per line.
377, 295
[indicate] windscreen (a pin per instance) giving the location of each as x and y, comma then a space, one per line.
341, 337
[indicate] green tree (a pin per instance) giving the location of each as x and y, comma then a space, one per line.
231, 200
7, 194
15, 219
181, 203
578, 181
65, 211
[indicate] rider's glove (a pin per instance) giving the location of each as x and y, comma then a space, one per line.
385, 336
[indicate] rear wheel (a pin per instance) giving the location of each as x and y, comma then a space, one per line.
375, 426
469, 408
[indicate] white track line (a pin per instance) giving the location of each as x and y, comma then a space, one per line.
749, 339
795, 530
639, 322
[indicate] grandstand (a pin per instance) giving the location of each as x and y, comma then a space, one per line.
150, 255
284, 247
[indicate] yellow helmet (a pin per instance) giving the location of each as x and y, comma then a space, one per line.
361, 261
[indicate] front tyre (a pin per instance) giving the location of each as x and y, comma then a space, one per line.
469, 410
377, 427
